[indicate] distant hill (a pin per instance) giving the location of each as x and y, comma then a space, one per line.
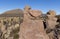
15, 12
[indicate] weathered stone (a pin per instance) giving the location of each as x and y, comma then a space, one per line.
51, 22
36, 13
32, 29
51, 12
27, 8
28, 30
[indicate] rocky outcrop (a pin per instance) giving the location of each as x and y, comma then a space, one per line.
51, 23
32, 29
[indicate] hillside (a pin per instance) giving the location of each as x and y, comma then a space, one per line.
14, 12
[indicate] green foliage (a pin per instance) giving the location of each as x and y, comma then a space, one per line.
16, 36
14, 33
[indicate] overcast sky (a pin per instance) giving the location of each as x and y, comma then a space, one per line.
43, 5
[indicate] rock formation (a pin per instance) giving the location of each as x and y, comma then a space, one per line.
51, 22
32, 29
